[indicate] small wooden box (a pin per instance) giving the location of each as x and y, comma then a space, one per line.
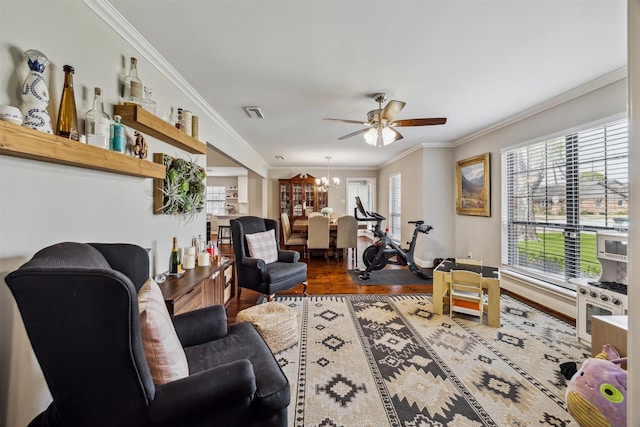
609, 330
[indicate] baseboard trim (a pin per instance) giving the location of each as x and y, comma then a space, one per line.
558, 300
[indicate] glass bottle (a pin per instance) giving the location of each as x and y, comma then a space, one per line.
179, 123
148, 103
118, 140
132, 84
174, 260
68, 115
97, 122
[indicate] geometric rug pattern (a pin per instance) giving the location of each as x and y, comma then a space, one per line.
388, 360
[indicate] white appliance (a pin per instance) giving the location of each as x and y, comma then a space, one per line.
606, 296
612, 245
598, 299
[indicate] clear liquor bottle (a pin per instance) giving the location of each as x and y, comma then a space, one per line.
133, 84
97, 122
148, 103
68, 115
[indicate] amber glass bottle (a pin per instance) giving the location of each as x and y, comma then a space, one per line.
68, 115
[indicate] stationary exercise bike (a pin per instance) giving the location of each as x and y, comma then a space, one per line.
379, 254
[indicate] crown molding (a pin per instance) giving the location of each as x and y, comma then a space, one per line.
121, 26
602, 81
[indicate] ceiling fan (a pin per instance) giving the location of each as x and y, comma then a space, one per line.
380, 130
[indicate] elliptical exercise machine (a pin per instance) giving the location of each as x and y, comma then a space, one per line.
379, 254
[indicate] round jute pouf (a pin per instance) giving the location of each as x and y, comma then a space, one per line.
277, 323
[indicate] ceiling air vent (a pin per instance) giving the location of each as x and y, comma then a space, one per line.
254, 112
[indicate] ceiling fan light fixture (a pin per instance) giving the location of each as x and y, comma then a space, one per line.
379, 138
381, 125
388, 136
371, 136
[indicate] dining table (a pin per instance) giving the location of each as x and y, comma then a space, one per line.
490, 282
302, 225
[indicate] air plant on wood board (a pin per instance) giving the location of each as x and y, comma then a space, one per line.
184, 189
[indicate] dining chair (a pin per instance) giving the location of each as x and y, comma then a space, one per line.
318, 234
465, 293
291, 239
347, 236
312, 214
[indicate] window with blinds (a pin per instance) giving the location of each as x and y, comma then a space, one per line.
557, 194
216, 200
395, 192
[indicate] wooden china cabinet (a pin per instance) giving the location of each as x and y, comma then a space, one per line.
299, 196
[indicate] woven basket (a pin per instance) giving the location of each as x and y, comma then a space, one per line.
276, 323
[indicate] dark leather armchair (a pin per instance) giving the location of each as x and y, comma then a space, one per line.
79, 305
254, 273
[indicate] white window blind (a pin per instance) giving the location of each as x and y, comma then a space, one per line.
216, 200
557, 194
395, 193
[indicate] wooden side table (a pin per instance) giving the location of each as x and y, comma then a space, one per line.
201, 286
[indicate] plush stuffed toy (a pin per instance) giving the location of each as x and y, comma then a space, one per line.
596, 394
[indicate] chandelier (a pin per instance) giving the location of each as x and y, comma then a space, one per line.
325, 183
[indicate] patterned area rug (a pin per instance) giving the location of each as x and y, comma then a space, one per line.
375, 360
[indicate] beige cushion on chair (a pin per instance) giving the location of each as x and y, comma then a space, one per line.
263, 246
162, 348
289, 238
347, 232
318, 235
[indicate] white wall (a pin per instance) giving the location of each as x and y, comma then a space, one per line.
438, 196
426, 195
43, 203
481, 235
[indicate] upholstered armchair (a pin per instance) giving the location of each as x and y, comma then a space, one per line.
260, 263
79, 304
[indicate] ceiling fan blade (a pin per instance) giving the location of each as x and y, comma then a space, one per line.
391, 110
397, 136
420, 122
355, 122
358, 132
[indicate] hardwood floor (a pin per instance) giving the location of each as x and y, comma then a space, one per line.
330, 277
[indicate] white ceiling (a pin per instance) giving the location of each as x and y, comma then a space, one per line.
476, 62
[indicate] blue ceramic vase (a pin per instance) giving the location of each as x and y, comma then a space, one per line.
35, 96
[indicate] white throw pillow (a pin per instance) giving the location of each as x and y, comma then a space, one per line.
162, 347
263, 246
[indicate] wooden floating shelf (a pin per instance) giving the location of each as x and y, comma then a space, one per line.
138, 118
20, 141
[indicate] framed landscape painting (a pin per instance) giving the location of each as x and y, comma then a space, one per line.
473, 186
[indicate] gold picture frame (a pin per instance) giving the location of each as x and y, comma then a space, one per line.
473, 186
